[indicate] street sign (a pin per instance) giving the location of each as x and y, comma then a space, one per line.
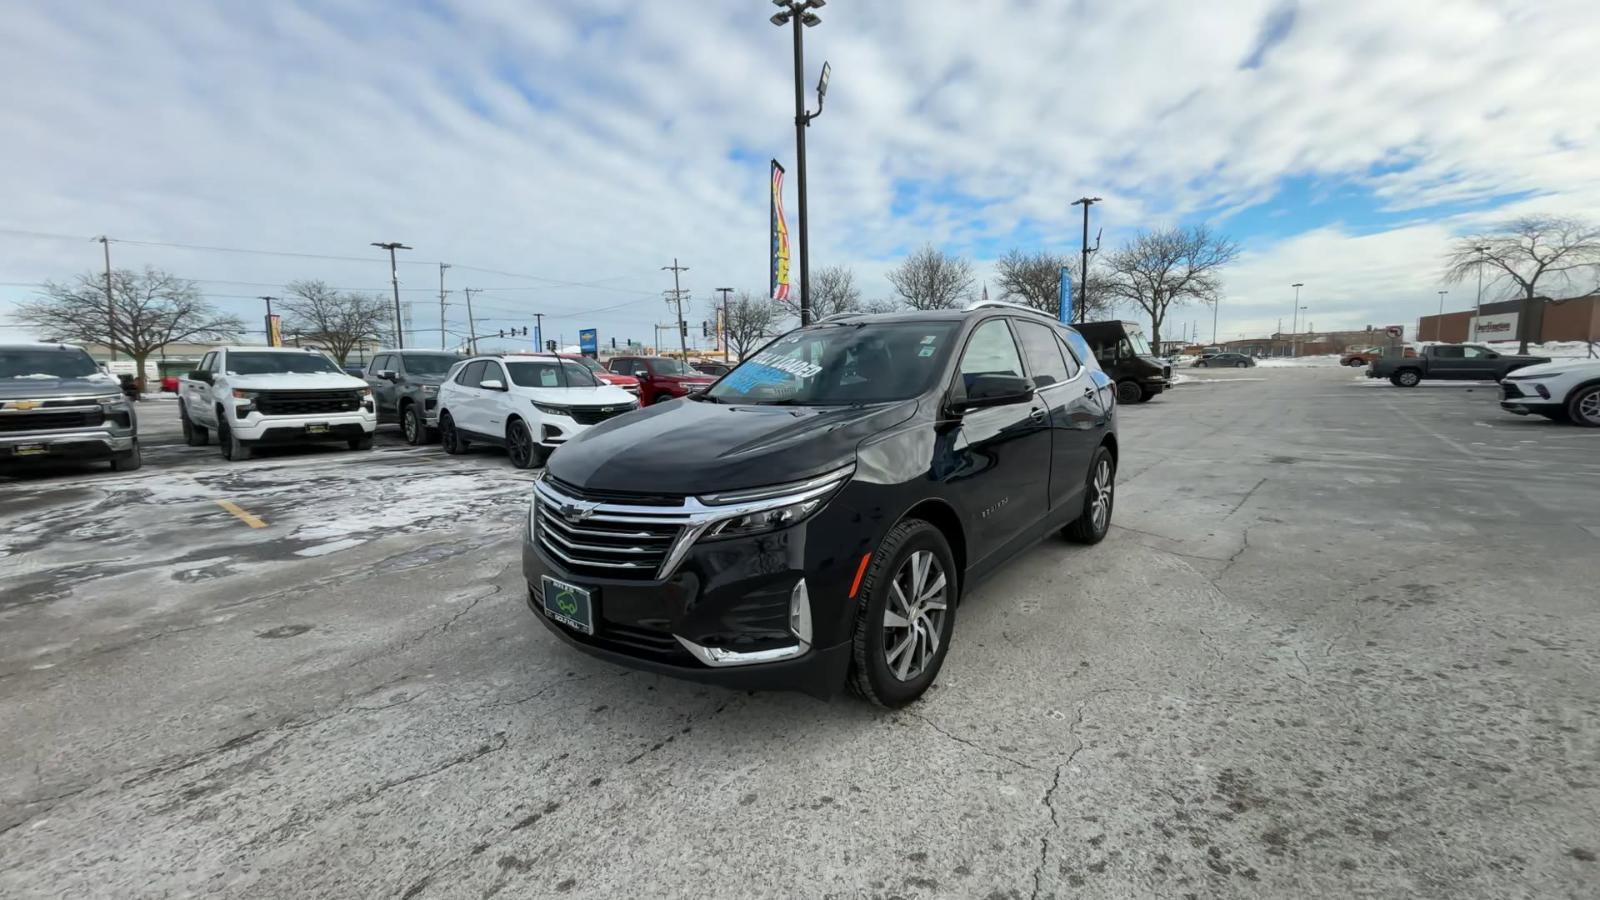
1395, 330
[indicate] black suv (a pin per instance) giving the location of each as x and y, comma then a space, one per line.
812, 519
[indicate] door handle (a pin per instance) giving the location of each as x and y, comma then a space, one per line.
1036, 414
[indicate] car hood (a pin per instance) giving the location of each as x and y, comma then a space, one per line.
321, 381
45, 388
617, 379
604, 395
694, 447
1559, 367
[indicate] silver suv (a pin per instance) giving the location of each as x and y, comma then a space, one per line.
55, 403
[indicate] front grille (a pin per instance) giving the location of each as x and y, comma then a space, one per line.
1510, 392
48, 421
594, 415
607, 539
307, 403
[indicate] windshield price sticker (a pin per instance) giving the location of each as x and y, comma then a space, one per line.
799, 368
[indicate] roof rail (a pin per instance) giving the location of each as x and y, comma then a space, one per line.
984, 304
840, 315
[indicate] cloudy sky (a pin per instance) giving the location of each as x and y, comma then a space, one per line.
559, 152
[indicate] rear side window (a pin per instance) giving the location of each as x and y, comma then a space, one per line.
991, 351
471, 373
622, 364
1043, 352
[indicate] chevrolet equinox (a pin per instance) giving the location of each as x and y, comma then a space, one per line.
813, 518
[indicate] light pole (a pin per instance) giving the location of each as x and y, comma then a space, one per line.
722, 326
799, 13
1214, 305
1294, 329
1482, 249
442, 267
394, 280
1438, 327
1083, 273
269, 319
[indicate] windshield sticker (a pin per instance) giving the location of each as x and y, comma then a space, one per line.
799, 368
752, 375
929, 338
925, 351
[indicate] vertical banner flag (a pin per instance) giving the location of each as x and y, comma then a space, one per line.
1064, 310
274, 330
589, 342
780, 238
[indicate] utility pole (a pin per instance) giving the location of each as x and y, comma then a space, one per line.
442, 267
1083, 273
394, 280
1215, 304
722, 324
472, 328
1294, 339
538, 331
677, 289
1479, 314
111, 305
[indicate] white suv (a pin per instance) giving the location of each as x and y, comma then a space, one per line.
273, 395
1567, 390
528, 403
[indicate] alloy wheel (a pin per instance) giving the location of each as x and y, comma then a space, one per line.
1100, 503
409, 424
914, 616
1588, 407
520, 446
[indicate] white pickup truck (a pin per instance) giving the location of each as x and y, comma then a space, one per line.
273, 395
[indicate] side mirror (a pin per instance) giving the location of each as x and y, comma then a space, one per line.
994, 390
641, 374
198, 375
389, 375
1492, 355
492, 384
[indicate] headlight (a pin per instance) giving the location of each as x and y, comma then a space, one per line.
769, 509
245, 395
430, 389
366, 393
1534, 377
551, 409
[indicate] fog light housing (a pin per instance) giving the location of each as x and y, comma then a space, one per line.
1543, 391
800, 612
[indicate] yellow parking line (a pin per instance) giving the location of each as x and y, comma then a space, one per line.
243, 516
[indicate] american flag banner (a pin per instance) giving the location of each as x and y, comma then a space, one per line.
780, 238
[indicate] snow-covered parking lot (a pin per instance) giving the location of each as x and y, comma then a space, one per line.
1343, 641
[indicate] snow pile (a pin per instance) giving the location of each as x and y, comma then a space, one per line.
1298, 362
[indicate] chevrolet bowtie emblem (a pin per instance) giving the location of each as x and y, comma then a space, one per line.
25, 404
578, 512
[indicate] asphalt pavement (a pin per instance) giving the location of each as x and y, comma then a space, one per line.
1343, 640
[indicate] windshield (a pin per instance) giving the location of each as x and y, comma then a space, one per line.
429, 363
590, 364
1140, 346
666, 365
46, 364
841, 364
280, 364
550, 374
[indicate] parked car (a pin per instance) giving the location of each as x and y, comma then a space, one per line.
714, 369
1123, 353
1358, 358
1450, 362
661, 378
1223, 361
252, 396
1565, 391
604, 375
405, 386
169, 384
814, 518
55, 403
528, 403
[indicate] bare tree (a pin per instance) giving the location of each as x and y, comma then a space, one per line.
881, 305
1157, 270
833, 291
1034, 280
336, 321
1523, 251
932, 279
749, 319
148, 311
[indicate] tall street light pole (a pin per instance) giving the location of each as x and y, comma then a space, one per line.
1438, 328
472, 327
1294, 329
442, 267
1482, 249
722, 326
1083, 272
111, 305
798, 14
394, 280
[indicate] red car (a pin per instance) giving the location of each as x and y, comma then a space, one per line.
660, 377
604, 375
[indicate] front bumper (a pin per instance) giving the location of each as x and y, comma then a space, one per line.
291, 429
90, 444
730, 594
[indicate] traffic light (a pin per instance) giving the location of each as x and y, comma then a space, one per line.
550, 345
524, 331
613, 343
500, 333
705, 329
683, 329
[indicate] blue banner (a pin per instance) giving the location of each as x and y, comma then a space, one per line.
589, 342
1065, 310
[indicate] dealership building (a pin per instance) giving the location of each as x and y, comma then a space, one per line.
1574, 319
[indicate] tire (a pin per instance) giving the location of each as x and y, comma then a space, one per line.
454, 443
910, 544
193, 435
1101, 485
525, 453
1202, 364
232, 448
1406, 378
360, 443
1129, 392
1583, 406
411, 425
128, 461
1243, 365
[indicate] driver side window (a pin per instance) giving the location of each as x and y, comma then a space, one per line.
1476, 353
991, 351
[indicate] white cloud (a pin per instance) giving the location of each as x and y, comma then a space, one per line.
595, 140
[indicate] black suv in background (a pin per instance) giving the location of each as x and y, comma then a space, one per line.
813, 519
1122, 351
405, 384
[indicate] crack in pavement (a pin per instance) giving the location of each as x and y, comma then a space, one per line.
974, 745
1246, 498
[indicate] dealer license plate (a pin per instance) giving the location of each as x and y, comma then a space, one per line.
320, 428
569, 604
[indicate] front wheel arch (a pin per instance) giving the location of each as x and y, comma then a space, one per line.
941, 515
